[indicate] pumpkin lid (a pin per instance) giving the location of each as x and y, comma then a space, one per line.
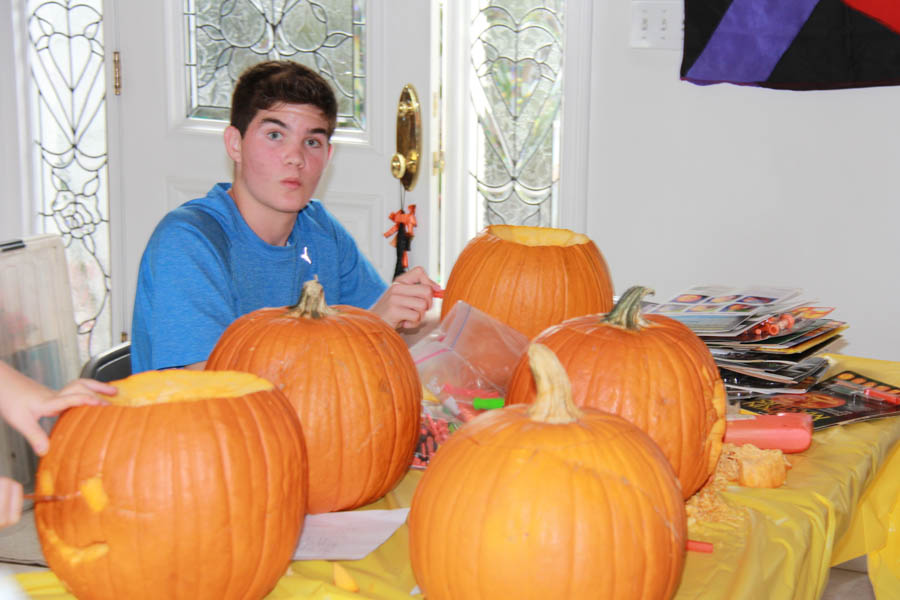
184, 385
538, 236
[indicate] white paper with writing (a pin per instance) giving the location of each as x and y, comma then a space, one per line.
348, 535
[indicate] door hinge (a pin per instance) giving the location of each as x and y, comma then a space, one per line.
437, 162
117, 73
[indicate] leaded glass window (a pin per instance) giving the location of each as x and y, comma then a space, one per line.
224, 37
516, 83
68, 89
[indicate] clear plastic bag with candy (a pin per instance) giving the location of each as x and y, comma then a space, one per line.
465, 365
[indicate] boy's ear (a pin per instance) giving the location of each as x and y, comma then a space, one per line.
233, 143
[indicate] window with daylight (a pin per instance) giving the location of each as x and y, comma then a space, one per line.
67, 91
224, 37
515, 84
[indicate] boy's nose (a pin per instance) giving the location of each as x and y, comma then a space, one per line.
294, 157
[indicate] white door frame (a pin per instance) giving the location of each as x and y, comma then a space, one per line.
15, 222
574, 154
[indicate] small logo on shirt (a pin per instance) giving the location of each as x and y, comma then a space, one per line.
305, 255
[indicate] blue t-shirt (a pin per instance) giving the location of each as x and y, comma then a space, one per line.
204, 267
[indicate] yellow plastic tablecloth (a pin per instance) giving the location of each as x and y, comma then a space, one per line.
840, 501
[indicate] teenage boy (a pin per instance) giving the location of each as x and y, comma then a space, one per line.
255, 242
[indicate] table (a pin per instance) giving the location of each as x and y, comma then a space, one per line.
841, 500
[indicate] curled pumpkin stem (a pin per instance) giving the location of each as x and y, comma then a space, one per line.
627, 311
553, 403
312, 302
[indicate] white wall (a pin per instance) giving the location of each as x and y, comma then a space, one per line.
11, 216
740, 185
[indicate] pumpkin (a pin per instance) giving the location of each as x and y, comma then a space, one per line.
189, 484
651, 370
530, 277
547, 501
353, 383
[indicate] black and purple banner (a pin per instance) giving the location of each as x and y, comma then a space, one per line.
792, 44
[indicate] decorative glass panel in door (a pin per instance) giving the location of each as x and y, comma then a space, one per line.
67, 93
224, 37
516, 89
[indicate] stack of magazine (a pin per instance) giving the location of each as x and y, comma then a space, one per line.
765, 341
842, 398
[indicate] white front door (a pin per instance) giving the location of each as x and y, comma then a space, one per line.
159, 158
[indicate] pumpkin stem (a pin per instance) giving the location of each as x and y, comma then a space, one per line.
312, 302
554, 392
627, 311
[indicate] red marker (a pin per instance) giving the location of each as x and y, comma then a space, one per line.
698, 546
879, 395
437, 293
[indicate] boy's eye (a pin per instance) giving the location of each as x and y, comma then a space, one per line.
313, 143
274, 135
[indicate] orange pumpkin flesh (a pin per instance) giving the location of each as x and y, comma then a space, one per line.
530, 277
651, 370
547, 501
353, 383
188, 485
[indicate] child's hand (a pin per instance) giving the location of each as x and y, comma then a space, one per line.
10, 501
76, 393
408, 298
24, 401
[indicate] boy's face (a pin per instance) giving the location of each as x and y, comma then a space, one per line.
280, 158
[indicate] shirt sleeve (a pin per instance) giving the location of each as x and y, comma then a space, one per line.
361, 285
184, 299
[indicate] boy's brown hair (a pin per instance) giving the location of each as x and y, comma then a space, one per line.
266, 84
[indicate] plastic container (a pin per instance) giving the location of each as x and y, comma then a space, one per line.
37, 332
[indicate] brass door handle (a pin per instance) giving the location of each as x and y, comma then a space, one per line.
405, 162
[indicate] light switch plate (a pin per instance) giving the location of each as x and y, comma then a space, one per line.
657, 24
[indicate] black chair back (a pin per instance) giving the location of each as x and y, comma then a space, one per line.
109, 365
